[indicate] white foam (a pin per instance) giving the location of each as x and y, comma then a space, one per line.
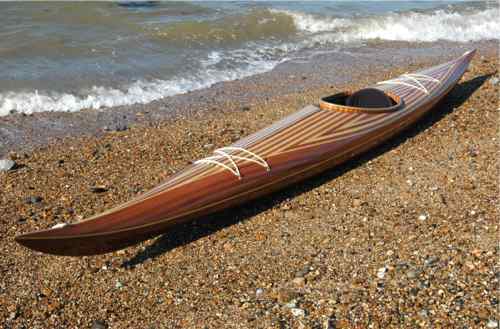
439, 25
213, 58
408, 26
139, 92
314, 24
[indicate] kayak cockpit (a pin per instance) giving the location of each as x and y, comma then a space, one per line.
370, 100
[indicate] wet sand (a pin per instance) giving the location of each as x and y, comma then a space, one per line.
403, 236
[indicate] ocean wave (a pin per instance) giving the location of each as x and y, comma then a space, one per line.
313, 23
257, 24
139, 92
255, 42
403, 26
277, 24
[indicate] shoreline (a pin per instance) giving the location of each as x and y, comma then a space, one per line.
20, 132
404, 235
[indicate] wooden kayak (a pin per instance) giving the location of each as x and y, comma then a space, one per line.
299, 146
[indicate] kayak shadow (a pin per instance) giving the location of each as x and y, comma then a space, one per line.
184, 234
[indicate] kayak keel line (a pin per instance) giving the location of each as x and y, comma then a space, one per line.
299, 146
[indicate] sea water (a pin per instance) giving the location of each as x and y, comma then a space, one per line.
68, 56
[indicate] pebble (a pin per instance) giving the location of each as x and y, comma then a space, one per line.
298, 312
118, 284
303, 272
99, 324
288, 241
299, 282
431, 261
98, 189
208, 146
120, 127
422, 217
423, 313
357, 202
286, 295
285, 206
7, 164
330, 322
228, 247
33, 199
12, 316
381, 272
411, 274
291, 304
494, 81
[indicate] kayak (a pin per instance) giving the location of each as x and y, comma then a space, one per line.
299, 146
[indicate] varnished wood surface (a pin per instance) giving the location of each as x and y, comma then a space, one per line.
297, 147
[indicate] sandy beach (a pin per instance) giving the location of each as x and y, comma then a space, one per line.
404, 236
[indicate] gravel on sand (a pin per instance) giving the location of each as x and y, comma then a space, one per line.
354, 247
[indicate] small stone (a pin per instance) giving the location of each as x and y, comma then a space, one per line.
120, 127
476, 253
98, 189
492, 324
357, 202
303, 272
285, 206
118, 285
381, 272
259, 236
286, 295
7, 164
423, 313
431, 261
208, 146
33, 199
259, 291
409, 182
291, 304
422, 217
298, 312
330, 322
299, 282
13, 315
99, 324
411, 274
494, 81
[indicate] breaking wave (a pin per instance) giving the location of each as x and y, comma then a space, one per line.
255, 42
139, 92
406, 26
